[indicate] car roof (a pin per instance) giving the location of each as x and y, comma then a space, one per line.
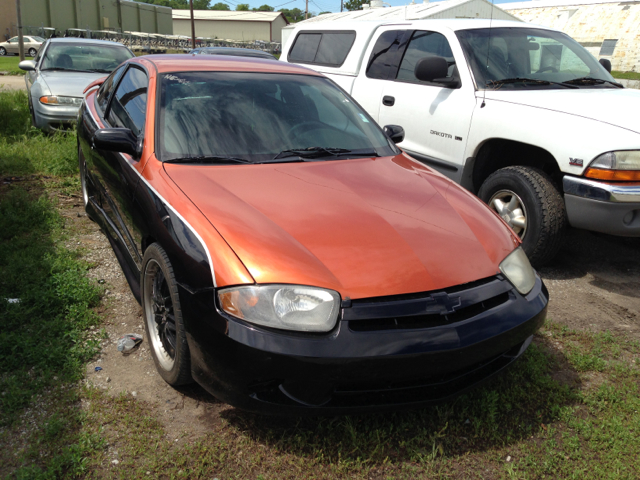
241, 52
221, 63
86, 41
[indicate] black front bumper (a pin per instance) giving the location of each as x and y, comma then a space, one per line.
363, 364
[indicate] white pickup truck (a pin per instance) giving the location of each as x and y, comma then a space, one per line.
521, 115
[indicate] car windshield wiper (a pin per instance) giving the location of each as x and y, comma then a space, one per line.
208, 159
98, 70
591, 80
316, 152
62, 69
534, 81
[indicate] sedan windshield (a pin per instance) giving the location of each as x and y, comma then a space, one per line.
262, 117
84, 58
530, 58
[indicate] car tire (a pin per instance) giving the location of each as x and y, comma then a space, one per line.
163, 317
33, 52
518, 193
3, 51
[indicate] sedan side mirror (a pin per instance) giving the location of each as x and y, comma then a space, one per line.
27, 65
121, 140
606, 63
394, 132
434, 69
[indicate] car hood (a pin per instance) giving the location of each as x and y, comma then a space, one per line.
68, 84
615, 106
362, 227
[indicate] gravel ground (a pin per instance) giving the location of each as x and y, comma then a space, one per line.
594, 285
12, 82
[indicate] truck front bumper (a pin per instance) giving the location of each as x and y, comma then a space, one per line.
612, 208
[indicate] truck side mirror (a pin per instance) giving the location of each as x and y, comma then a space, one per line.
394, 132
606, 63
434, 69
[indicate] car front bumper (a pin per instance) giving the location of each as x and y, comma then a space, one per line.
612, 208
51, 118
355, 368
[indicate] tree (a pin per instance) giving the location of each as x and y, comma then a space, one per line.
263, 8
220, 6
242, 7
294, 15
200, 4
354, 4
322, 13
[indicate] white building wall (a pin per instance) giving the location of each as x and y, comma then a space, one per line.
226, 29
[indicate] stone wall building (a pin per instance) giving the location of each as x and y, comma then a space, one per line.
607, 28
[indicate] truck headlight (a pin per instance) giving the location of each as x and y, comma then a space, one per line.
518, 270
287, 307
621, 165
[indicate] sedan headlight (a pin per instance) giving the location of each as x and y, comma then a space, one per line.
622, 165
56, 100
287, 307
518, 270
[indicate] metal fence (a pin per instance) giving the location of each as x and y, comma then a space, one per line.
141, 42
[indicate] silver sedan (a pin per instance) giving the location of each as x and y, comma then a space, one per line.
59, 74
32, 45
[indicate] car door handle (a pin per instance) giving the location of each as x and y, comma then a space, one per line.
388, 100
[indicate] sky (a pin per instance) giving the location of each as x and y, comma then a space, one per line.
318, 6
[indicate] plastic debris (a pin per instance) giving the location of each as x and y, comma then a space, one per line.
12, 300
128, 342
98, 369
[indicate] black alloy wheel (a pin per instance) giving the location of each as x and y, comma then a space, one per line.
33, 52
528, 201
163, 318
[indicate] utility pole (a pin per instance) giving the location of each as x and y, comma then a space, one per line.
306, 10
341, 5
20, 37
193, 26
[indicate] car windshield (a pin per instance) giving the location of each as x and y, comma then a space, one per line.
84, 58
533, 57
262, 117
38, 39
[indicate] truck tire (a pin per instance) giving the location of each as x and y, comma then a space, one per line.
531, 205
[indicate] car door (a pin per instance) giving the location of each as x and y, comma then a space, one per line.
32, 75
114, 171
436, 119
12, 45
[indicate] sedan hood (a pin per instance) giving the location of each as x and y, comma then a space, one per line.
615, 106
68, 84
362, 227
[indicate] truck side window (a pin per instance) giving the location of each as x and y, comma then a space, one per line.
424, 44
386, 54
322, 48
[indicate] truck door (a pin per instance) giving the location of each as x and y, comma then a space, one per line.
436, 120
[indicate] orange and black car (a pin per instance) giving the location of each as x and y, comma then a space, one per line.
287, 255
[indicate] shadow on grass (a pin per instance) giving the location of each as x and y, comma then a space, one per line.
508, 409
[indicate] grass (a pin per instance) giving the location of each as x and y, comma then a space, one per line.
10, 64
626, 75
568, 409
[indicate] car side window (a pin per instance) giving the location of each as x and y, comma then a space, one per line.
128, 108
104, 93
386, 54
39, 55
424, 44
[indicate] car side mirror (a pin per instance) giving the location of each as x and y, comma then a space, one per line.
394, 132
27, 65
606, 63
121, 140
434, 69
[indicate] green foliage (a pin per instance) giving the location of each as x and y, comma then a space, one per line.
263, 8
181, 4
354, 4
622, 75
293, 15
242, 7
220, 6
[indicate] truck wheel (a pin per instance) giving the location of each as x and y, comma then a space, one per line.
529, 203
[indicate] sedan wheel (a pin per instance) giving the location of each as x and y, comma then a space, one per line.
3, 51
163, 318
528, 201
33, 52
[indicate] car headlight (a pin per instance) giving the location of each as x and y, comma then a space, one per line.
518, 270
287, 307
56, 100
621, 165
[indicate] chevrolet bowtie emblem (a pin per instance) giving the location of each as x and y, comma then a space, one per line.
442, 303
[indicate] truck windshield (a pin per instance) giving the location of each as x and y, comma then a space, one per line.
262, 117
547, 57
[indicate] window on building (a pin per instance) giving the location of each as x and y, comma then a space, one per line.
608, 46
322, 48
